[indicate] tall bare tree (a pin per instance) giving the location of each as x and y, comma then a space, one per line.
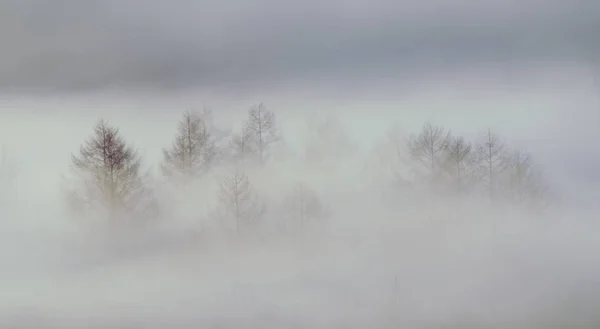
262, 126
303, 205
109, 177
193, 150
239, 203
242, 144
491, 155
458, 160
427, 149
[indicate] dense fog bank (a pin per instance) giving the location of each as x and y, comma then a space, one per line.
345, 227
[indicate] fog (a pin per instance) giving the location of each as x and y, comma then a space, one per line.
381, 259
383, 253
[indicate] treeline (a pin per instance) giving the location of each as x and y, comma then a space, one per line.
110, 180
451, 165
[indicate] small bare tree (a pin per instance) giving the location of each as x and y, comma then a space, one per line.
458, 161
239, 204
109, 178
491, 156
243, 144
303, 206
262, 126
193, 150
428, 148
523, 183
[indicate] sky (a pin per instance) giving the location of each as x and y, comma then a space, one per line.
69, 46
528, 69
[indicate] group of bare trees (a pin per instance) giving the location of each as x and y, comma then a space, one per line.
241, 208
194, 150
257, 135
109, 177
455, 166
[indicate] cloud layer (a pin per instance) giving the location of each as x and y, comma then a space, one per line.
70, 45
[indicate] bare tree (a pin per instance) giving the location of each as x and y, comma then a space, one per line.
193, 150
491, 156
303, 205
458, 161
262, 126
243, 144
427, 149
523, 183
109, 175
239, 204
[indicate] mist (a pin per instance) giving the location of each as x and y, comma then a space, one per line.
352, 86
381, 258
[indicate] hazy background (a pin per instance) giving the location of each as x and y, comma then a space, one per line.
528, 69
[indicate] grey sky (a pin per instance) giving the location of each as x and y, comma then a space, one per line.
70, 45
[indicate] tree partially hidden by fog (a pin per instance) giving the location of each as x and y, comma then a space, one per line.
427, 150
261, 130
108, 179
458, 164
447, 164
523, 183
327, 140
492, 158
302, 206
242, 144
239, 206
193, 150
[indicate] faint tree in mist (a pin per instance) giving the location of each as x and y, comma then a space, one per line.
524, 184
453, 162
109, 178
262, 126
242, 144
303, 206
492, 158
193, 150
239, 203
458, 163
327, 140
427, 149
